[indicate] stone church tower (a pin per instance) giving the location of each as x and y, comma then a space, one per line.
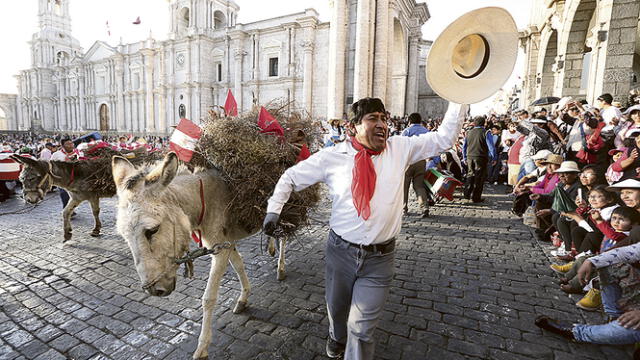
52, 46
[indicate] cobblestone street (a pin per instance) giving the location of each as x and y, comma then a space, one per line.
469, 282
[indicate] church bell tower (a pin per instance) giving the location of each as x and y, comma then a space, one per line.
53, 44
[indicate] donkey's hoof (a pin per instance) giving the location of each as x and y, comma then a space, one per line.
240, 307
281, 275
67, 236
95, 233
201, 354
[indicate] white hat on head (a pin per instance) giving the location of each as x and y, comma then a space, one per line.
625, 184
629, 110
564, 101
474, 56
538, 121
541, 155
568, 167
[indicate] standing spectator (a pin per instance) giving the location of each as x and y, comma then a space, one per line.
609, 113
67, 152
477, 151
415, 173
46, 153
537, 138
495, 165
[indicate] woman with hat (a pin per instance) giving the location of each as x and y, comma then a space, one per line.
611, 175
568, 173
336, 133
545, 187
629, 163
633, 114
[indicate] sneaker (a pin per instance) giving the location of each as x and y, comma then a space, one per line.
561, 269
334, 349
560, 252
590, 302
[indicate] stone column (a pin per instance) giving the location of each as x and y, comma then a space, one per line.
308, 24
411, 94
363, 51
337, 45
238, 55
162, 124
621, 47
119, 111
382, 46
150, 119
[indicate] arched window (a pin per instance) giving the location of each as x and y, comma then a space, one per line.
182, 111
183, 19
219, 20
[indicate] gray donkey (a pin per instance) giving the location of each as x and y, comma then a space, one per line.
158, 209
38, 176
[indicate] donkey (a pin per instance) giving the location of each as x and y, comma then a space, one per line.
39, 176
158, 210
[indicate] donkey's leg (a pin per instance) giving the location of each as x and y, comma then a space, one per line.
66, 216
283, 245
238, 265
209, 299
95, 208
271, 247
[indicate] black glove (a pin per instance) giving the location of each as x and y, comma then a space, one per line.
269, 224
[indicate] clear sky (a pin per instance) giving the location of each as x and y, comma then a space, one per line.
18, 22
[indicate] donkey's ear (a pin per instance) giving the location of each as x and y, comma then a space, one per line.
121, 168
24, 160
165, 172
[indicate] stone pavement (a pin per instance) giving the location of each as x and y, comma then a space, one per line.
469, 283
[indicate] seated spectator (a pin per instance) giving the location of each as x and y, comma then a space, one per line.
629, 163
522, 189
611, 175
620, 299
543, 203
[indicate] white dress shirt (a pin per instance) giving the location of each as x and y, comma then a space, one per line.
334, 166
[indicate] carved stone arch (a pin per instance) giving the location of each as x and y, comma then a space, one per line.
545, 75
219, 20
579, 19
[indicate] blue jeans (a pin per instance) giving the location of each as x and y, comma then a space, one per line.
610, 295
611, 334
527, 167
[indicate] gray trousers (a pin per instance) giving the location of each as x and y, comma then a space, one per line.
357, 286
415, 176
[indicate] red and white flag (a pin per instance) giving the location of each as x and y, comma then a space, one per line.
184, 139
9, 169
230, 105
304, 153
268, 123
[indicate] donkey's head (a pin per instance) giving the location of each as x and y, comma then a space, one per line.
155, 228
36, 178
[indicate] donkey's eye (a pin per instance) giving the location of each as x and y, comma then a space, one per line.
148, 233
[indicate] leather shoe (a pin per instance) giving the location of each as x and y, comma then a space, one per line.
561, 328
334, 348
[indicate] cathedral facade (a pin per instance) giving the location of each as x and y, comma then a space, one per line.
147, 86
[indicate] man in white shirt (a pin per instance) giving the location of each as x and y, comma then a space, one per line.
365, 176
610, 114
67, 152
45, 154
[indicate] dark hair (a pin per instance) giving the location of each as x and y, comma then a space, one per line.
496, 126
415, 118
627, 212
65, 140
607, 98
366, 106
524, 112
479, 120
543, 109
602, 189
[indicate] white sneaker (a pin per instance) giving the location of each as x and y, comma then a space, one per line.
560, 252
586, 253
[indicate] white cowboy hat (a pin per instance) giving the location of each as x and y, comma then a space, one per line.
633, 108
625, 184
474, 56
568, 167
538, 121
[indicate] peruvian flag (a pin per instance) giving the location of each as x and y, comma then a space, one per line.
268, 123
230, 105
184, 139
9, 169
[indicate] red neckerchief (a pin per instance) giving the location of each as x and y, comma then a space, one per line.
364, 179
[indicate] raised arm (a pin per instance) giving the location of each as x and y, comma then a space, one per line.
433, 143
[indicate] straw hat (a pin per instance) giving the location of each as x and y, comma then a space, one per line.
553, 159
625, 184
471, 60
568, 167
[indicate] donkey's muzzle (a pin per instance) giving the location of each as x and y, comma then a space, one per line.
161, 287
32, 197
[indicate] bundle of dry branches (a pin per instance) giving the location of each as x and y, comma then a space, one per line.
252, 162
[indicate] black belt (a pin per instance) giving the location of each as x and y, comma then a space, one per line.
383, 248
